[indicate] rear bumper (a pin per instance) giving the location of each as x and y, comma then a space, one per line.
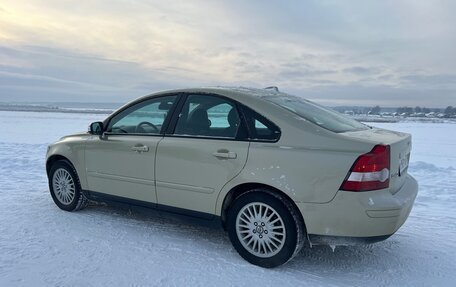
374, 215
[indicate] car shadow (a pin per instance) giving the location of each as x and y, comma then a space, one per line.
318, 260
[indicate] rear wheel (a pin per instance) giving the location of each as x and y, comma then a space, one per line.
265, 228
65, 187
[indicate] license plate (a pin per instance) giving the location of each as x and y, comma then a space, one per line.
403, 163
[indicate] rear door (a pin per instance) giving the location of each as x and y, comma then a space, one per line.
205, 151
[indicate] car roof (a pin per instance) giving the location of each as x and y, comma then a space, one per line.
229, 91
252, 97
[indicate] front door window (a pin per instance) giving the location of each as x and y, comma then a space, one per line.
146, 117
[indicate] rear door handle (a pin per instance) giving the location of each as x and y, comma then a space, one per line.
140, 148
224, 154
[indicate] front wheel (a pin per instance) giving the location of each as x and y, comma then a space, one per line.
265, 228
65, 188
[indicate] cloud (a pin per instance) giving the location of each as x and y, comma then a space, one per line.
60, 75
357, 70
304, 46
435, 80
383, 95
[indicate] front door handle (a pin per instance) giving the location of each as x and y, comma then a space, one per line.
224, 154
140, 148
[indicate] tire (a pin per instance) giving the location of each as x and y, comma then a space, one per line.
65, 187
271, 221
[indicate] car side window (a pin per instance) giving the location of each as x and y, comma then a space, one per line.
143, 118
208, 116
219, 115
259, 127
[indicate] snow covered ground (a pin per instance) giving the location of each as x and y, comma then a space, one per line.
40, 245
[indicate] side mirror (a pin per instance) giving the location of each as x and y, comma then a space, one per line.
96, 128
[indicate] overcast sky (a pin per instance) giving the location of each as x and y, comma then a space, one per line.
389, 53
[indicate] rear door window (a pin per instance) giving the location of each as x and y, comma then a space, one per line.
208, 116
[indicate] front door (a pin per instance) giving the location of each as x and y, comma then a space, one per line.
122, 162
205, 151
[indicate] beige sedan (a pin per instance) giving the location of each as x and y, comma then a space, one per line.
276, 170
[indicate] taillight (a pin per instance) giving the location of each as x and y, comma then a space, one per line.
370, 171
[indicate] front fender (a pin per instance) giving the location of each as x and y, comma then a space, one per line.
72, 149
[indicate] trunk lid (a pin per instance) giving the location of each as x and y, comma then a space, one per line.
400, 148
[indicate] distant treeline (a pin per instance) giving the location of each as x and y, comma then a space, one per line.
449, 111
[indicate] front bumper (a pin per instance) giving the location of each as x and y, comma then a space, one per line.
359, 215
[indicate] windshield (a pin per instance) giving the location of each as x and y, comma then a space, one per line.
319, 115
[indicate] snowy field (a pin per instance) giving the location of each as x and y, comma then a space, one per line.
40, 245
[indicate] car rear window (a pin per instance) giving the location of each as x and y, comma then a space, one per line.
319, 115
